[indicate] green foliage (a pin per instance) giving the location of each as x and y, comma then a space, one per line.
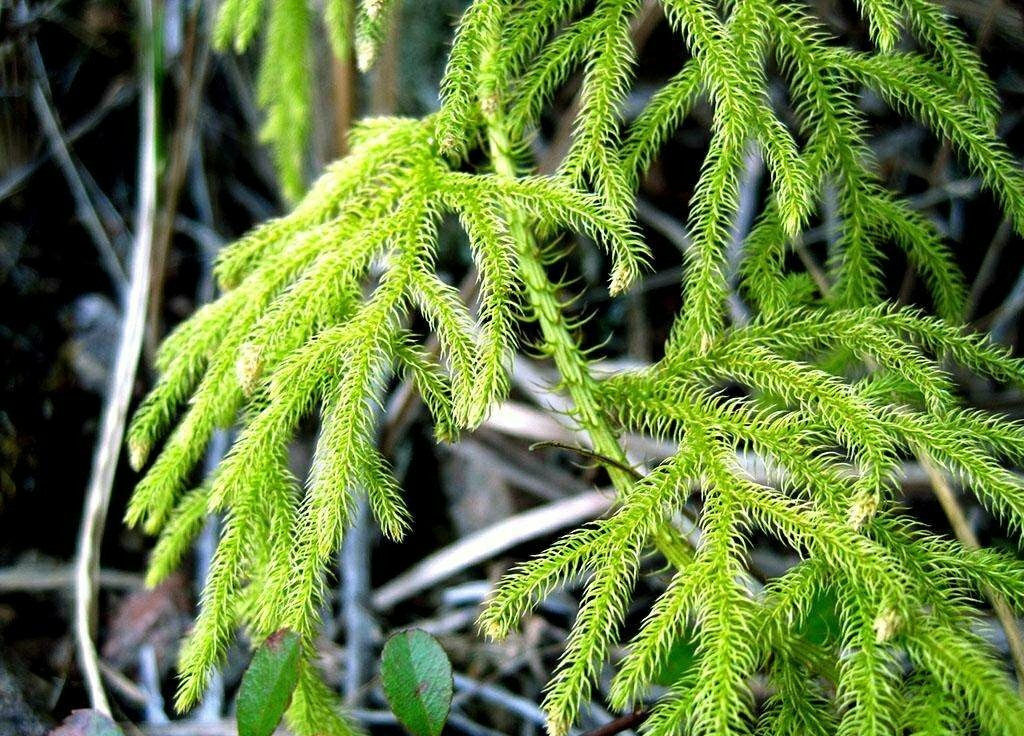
285, 82
417, 680
295, 334
268, 684
283, 87
829, 383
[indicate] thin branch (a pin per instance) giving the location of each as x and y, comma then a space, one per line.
196, 63
962, 529
118, 95
489, 542
149, 675
468, 688
593, 455
84, 207
356, 548
37, 578
108, 445
989, 265
623, 723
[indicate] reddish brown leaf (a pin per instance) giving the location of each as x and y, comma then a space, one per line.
158, 617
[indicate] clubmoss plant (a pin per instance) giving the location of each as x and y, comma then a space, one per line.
828, 382
285, 84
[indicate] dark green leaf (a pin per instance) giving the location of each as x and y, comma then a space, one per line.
417, 678
680, 661
821, 625
87, 723
268, 683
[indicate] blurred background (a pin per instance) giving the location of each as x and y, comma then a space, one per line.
70, 140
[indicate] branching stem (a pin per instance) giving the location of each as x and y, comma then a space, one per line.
547, 311
559, 342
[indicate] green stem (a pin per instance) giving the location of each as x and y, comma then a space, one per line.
547, 312
559, 342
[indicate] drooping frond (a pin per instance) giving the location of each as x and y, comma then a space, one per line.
284, 92
293, 336
284, 86
827, 385
672, 402
463, 87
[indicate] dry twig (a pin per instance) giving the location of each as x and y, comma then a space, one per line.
108, 446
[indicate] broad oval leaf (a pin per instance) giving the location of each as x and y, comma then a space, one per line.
268, 683
87, 722
417, 679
